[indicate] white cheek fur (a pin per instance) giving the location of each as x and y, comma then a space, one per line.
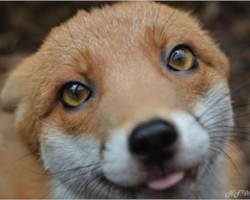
68, 151
215, 107
119, 164
194, 140
61, 152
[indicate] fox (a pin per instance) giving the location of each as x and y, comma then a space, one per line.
130, 100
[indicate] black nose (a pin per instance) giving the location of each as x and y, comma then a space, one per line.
154, 141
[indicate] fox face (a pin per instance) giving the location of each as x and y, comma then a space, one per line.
125, 102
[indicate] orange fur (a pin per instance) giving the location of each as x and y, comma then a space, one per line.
102, 56
19, 167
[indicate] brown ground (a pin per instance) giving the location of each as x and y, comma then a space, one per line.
23, 25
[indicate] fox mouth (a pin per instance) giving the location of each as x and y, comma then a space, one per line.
166, 183
121, 170
172, 180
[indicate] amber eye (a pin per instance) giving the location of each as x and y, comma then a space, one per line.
181, 59
74, 94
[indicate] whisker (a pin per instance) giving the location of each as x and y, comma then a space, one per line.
230, 93
235, 144
233, 127
69, 179
93, 189
91, 181
15, 162
67, 190
233, 131
104, 183
64, 171
230, 136
211, 168
227, 119
220, 150
223, 112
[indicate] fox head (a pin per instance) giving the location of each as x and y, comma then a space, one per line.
124, 101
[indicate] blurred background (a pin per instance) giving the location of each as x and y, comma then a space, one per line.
23, 26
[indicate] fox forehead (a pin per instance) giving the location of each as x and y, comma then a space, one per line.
111, 35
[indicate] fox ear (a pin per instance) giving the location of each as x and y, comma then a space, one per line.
12, 92
14, 88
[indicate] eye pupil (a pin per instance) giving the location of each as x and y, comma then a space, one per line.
178, 56
75, 90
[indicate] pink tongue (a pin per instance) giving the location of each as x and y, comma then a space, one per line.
166, 182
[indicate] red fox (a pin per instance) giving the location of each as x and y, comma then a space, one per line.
126, 101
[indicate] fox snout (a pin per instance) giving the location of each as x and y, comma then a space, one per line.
154, 141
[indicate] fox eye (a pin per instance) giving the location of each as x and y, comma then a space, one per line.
181, 59
73, 94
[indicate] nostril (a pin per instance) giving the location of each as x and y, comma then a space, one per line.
154, 141
168, 138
